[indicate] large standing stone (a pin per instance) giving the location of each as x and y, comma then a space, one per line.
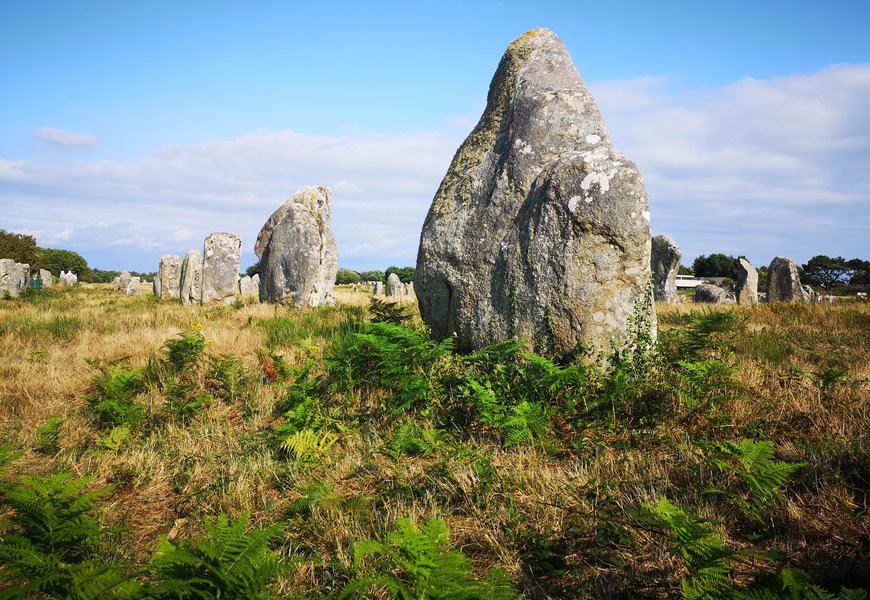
394, 285
191, 278
45, 276
746, 288
169, 274
711, 294
540, 228
222, 259
134, 287
665, 263
784, 282
297, 251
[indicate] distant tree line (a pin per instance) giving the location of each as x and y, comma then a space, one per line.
22, 248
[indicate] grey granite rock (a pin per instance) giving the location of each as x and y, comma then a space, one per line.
191, 278
784, 282
297, 251
540, 228
665, 263
222, 259
746, 287
169, 275
711, 294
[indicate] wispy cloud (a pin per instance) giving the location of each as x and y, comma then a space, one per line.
761, 168
64, 138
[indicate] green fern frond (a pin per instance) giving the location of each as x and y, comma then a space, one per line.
308, 443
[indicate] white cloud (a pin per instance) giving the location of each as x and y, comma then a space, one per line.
64, 138
761, 168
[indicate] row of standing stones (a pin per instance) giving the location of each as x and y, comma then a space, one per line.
15, 277
783, 280
540, 229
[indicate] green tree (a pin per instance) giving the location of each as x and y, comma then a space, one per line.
406, 274
860, 271
716, 265
684, 270
346, 277
254, 269
64, 260
373, 275
825, 271
19, 247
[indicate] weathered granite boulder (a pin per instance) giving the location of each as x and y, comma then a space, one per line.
222, 259
169, 274
810, 294
10, 278
540, 228
297, 251
665, 263
394, 285
746, 288
711, 294
378, 289
248, 288
134, 287
67, 279
45, 276
784, 282
191, 278
124, 280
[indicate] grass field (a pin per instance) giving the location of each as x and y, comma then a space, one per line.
330, 455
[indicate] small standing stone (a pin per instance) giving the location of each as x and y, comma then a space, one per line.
67, 279
711, 294
784, 282
222, 259
379, 288
169, 274
746, 287
247, 287
45, 276
394, 285
191, 278
134, 287
124, 280
665, 262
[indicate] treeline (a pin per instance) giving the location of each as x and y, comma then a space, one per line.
22, 248
347, 276
821, 271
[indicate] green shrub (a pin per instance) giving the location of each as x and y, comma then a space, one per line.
420, 563
112, 396
48, 435
229, 380
228, 562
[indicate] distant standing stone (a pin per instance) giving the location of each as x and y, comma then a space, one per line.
297, 251
379, 288
67, 279
134, 287
191, 278
746, 287
222, 259
711, 294
169, 274
247, 287
784, 282
124, 280
665, 263
540, 228
394, 285
10, 278
45, 276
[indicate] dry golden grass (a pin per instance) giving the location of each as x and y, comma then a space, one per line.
558, 520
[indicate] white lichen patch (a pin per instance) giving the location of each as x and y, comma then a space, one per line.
645, 215
598, 178
593, 139
522, 147
574, 202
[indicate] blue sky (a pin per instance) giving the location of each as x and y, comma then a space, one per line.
133, 129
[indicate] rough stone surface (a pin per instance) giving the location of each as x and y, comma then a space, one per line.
711, 294
124, 280
746, 288
169, 274
394, 285
540, 228
222, 259
248, 288
10, 278
378, 289
297, 251
784, 282
191, 278
45, 276
134, 287
665, 263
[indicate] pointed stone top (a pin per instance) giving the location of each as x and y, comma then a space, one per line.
315, 199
